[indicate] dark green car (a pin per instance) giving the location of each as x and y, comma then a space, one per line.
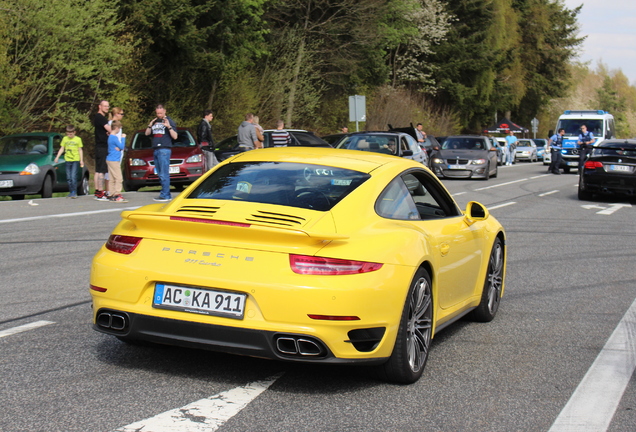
27, 166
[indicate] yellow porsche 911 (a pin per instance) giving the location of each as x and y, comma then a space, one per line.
303, 254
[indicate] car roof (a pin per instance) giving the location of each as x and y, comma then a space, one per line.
27, 134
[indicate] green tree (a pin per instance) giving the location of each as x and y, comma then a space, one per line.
56, 57
549, 39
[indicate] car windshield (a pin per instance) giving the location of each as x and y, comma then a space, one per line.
573, 126
464, 144
539, 142
308, 139
615, 149
524, 143
23, 145
315, 187
143, 141
377, 143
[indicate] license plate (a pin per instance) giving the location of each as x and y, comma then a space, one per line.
199, 301
171, 170
456, 167
572, 164
620, 168
6, 183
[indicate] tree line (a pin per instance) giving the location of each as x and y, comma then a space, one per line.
453, 65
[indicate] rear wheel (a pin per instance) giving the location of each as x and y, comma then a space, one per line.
491, 294
413, 340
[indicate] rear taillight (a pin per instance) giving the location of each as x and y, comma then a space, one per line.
593, 164
311, 265
122, 244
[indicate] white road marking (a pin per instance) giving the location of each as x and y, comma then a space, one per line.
548, 193
205, 415
23, 328
539, 176
502, 184
594, 402
459, 193
606, 210
501, 205
32, 218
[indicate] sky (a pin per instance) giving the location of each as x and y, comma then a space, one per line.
610, 27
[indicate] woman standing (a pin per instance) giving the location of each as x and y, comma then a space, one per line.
116, 114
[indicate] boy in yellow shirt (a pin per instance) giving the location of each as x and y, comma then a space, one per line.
71, 146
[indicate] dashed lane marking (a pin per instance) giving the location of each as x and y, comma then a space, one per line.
548, 193
205, 415
64, 215
594, 402
502, 184
23, 328
501, 205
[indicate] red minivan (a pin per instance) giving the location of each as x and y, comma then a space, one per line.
187, 162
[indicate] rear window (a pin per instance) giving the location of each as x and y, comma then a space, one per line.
615, 149
315, 187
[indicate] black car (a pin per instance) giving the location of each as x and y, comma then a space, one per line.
229, 146
609, 170
334, 138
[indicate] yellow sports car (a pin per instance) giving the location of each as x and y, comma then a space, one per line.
303, 254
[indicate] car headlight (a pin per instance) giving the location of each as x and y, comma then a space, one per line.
478, 162
438, 160
194, 159
31, 169
137, 162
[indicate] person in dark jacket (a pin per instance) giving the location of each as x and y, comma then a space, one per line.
204, 130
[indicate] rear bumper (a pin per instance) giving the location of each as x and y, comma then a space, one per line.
231, 340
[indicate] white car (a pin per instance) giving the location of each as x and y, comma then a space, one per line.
526, 150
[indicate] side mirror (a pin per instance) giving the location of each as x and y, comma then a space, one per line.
493, 149
407, 153
475, 212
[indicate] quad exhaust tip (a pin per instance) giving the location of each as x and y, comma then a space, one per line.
299, 346
112, 321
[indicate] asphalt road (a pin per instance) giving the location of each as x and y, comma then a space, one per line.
571, 279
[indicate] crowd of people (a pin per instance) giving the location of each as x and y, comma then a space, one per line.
110, 142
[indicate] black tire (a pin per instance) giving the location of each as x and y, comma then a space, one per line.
491, 294
47, 187
487, 172
130, 188
407, 361
83, 188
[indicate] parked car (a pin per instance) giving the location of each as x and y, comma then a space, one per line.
404, 145
609, 170
27, 166
502, 144
526, 150
542, 145
466, 156
334, 138
187, 162
299, 137
301, 254
430, 144
500, 153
